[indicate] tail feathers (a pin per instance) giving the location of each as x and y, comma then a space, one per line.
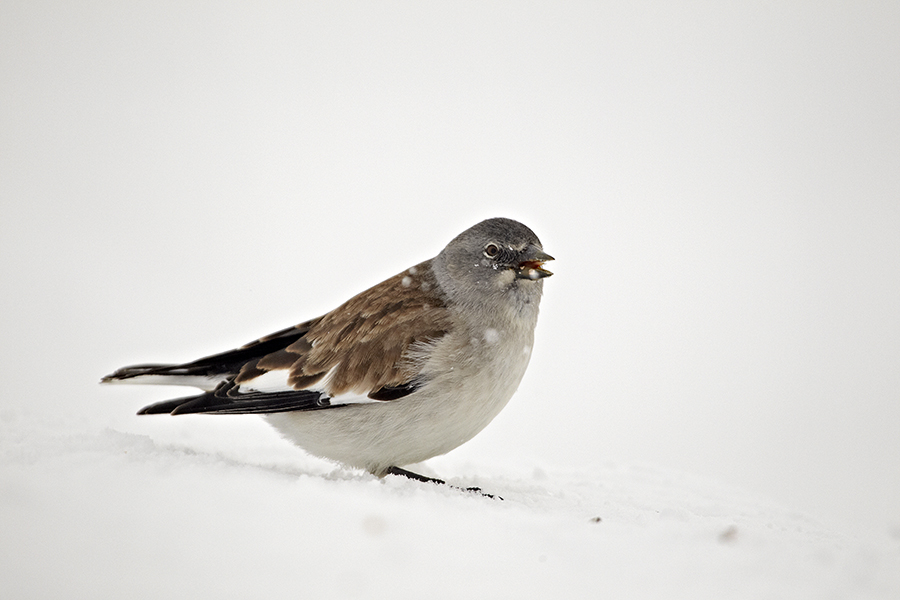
219, 402
166, 375
136, 371
208, 372
162, 408
180, 406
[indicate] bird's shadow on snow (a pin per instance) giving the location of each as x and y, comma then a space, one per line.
140, 446
300, 466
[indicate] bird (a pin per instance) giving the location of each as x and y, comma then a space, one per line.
405, 371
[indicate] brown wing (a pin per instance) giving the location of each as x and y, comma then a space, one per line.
361, 347
363, 343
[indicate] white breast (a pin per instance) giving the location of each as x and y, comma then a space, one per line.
457, 402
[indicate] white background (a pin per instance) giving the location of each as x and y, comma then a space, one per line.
720, 185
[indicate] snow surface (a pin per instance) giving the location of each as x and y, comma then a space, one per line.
233, 511
718, 182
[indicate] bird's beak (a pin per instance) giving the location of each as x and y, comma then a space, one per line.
533, 265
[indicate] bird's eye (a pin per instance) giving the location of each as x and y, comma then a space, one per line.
491, 250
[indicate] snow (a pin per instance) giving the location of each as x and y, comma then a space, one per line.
491, 336
235, 512
714, 373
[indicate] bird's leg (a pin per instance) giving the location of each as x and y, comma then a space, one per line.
411, 475
422, 478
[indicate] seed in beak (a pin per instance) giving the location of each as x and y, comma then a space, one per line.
532, 269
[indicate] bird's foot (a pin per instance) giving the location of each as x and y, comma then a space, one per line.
415, 476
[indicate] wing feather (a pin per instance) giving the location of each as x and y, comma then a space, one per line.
359, 352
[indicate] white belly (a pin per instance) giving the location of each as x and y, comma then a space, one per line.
449, 410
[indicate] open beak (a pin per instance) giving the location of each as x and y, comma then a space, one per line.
533, 265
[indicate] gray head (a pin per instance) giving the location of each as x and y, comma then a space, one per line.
494, 257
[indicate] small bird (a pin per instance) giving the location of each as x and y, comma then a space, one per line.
407, 370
